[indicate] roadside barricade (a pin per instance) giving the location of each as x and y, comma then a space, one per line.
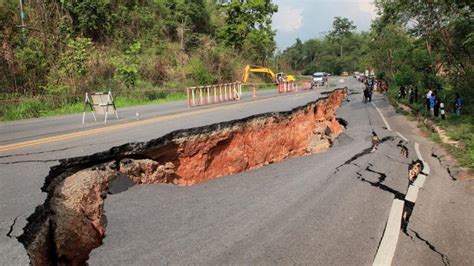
287, 86
212, 94
306, 84
99, 103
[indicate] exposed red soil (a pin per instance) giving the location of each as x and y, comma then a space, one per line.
71, 222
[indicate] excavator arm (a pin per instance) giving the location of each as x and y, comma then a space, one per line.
257, 69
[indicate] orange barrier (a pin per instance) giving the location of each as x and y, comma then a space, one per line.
211, 94
306, 84
287, 86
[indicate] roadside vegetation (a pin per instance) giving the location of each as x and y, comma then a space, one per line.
142, 51
430, 46
423, 44
457, 128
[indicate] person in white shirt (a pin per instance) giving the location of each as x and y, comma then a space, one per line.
428, 97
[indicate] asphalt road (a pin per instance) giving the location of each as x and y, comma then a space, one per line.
318, 209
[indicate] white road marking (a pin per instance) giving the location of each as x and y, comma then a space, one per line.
383, 118
417, 150
401, 136
389, 241
388, 245
412, 193
420, 181
426, 167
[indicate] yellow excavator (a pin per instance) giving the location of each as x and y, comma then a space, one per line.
259, 69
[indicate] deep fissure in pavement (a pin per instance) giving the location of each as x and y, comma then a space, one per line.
403, 149
378, 184
71, 222
444, 258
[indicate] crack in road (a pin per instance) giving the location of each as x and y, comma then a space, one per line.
382, 176
408, 208
30, 161
71, 222
444, 165
9, 233
444, 257
404, 149
375, 142
399, 195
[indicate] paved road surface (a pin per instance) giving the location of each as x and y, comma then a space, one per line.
318, 209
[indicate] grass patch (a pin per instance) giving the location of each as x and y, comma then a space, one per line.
43, 106
49, 106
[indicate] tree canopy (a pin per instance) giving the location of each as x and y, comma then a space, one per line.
69, 46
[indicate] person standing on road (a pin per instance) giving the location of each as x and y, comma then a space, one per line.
458, 103
384, 87
371, 91
428, 97
366, 93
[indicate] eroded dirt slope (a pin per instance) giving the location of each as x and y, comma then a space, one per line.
71, 222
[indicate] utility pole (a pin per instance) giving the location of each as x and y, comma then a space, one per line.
181, 30
22, 15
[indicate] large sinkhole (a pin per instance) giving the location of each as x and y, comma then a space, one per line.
71, 222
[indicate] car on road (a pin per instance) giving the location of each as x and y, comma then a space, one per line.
319, 79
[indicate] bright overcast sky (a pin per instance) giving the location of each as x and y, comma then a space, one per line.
306, 19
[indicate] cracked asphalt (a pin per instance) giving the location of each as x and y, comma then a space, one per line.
327, 208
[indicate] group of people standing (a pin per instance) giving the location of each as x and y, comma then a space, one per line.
435, 104
413, 93
372, 85
369, 90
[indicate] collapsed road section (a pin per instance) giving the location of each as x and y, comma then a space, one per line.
71, 222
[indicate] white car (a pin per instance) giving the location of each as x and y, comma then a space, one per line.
319, 78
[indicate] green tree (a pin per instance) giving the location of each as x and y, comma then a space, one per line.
92, 18
127, 70
342, 29
317, 55
248, 26
443, 26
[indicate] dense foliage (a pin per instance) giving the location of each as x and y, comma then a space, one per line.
71, 46
428, 44
434, 39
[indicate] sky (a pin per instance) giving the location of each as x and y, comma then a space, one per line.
308, 19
